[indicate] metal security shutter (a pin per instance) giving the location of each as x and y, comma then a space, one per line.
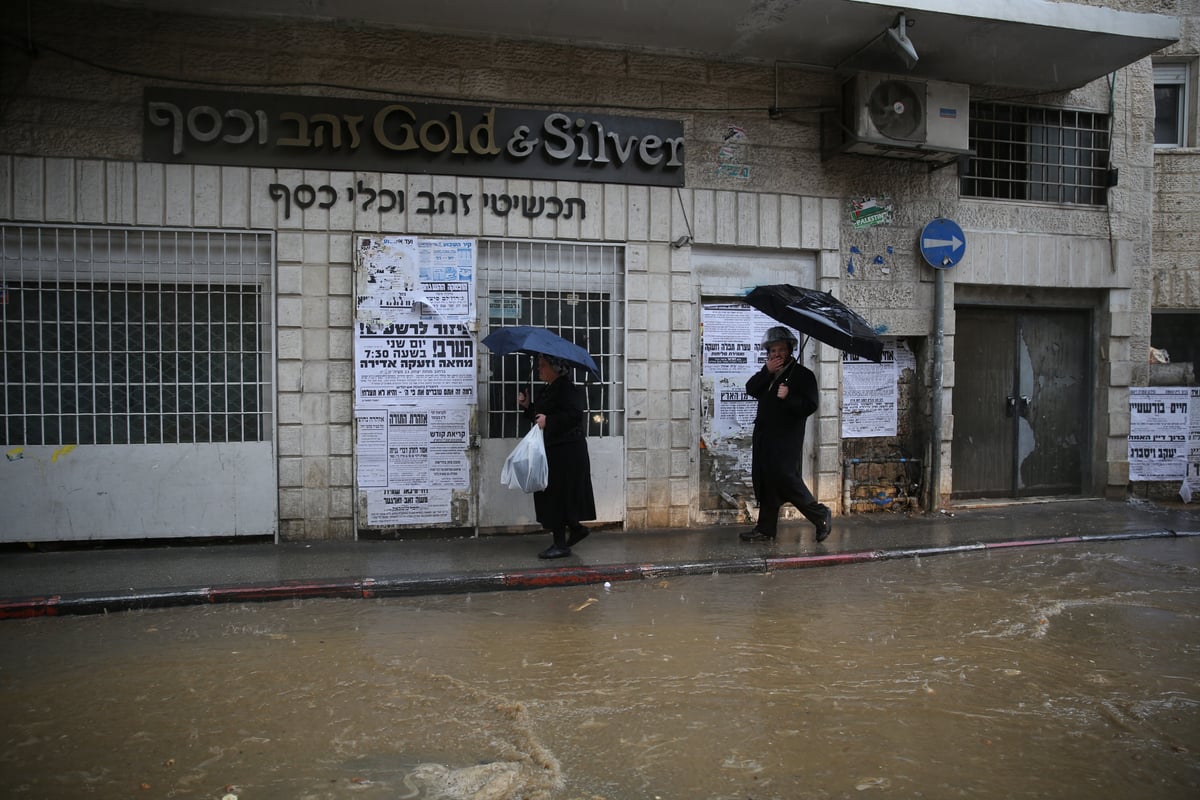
138, 373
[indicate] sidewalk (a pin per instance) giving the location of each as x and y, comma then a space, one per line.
95, 580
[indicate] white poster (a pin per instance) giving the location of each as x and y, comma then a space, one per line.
449, 436
371, 447
870, 400
414, 375
387, 279
732, 336
728, 343
447, 270
410, 361
1159, 422
415, 301
733, 409
407, 447
419, 505
731, 340
413, 446
1191, 483
398, 276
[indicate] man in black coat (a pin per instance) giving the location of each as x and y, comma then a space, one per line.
787, 396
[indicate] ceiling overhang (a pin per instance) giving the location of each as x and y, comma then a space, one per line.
1036, 45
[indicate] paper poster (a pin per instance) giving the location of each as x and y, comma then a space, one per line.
419, 505
447, 272
870, 398
1159, 428
413, 446
732, 352
387, 280
415, 301
415, 375
414, 361
1190, 489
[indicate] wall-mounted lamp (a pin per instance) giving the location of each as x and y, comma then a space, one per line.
898, 36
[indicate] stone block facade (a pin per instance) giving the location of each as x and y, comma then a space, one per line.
70, 154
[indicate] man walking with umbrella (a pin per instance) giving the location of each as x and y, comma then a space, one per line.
787, 396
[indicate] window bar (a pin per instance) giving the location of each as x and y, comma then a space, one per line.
76, 330
40, 346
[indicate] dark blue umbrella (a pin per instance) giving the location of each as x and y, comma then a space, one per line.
534, 341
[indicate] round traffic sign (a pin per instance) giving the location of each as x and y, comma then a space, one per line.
943, 243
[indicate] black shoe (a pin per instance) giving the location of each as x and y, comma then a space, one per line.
555, 551
825, 526
577, 535
756, 535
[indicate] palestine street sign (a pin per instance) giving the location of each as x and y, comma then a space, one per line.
943, 243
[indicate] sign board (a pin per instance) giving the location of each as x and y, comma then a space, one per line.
943, 243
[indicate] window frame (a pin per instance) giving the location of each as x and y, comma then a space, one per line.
1176, 74
136, 336
1043, 155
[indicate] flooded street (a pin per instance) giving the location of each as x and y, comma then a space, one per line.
1057, 671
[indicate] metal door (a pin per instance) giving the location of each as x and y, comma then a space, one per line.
577, 291
1021, 402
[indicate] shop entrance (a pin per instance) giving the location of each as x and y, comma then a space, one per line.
436, 414
1022, 413
577, 291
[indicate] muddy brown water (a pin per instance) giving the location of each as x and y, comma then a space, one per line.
1056, 671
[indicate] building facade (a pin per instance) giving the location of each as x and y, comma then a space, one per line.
188, 342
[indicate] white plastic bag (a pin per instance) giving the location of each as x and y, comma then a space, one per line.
526, 468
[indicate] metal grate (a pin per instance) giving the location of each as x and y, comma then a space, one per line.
1049, 155
129, 336
575, 290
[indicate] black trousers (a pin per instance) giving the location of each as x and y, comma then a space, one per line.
776, 476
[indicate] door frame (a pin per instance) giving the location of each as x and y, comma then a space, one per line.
1095, 302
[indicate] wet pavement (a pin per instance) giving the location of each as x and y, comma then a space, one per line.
38, 581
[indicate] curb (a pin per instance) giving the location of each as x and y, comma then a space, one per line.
541, 578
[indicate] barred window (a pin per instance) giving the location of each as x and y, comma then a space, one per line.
115, 337
1042, 155
575, 290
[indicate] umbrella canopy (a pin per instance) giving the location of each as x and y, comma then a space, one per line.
819, 315
534, 341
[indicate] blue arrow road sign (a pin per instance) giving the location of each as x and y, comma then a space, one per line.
943, 243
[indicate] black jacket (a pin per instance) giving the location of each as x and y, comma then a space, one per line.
783, 420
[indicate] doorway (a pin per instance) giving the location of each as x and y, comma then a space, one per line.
576, 290
1022, 410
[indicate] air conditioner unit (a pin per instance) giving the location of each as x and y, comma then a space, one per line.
898, 117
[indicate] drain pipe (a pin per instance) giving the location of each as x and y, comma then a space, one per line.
939, 354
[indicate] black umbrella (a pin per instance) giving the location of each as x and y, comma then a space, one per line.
820, 315
531, 340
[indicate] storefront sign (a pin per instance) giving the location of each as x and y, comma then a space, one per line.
353, 135
304, 196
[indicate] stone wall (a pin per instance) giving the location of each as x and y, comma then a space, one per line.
70, 132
